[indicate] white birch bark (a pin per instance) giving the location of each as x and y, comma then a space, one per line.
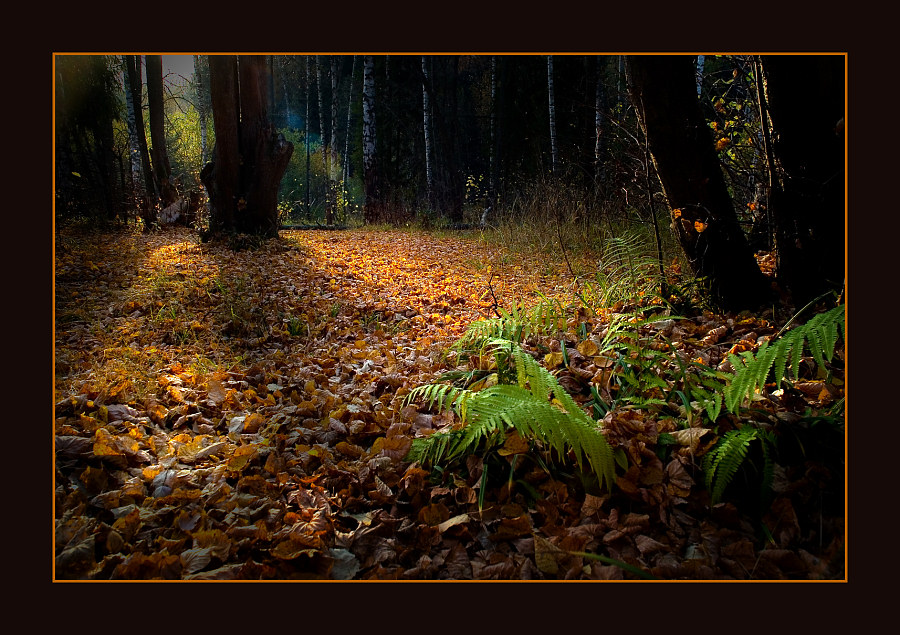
552, 103
426, 112
346, 164
369, 133
134, 148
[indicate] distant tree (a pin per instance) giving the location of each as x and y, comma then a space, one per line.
326, 139
201, 82
426, 124
372, 205
663, 92
804, 95
162, 171
306, 131
250, 156
149, 195
134, 148
554, 153
346, 164
599, 125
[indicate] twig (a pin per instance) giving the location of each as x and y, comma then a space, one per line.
496, 304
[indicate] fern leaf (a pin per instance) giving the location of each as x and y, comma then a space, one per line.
722, 462
819, 334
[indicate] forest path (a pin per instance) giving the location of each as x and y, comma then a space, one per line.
228, 414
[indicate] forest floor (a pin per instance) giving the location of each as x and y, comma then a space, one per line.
226, 414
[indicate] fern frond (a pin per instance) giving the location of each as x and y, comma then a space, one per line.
819, 334
536, 406
722, 462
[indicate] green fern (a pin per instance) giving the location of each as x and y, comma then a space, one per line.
722, 462
626, 271
751, 370
536, 406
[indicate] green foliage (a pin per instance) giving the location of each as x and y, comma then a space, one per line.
515, 324
628, 270
820, 334
722, 462
535, 406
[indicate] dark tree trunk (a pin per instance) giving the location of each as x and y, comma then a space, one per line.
250, 157
148, 211
663, 91
162, 171
805, 99
221, 176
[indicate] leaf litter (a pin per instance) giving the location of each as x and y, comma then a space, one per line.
239, 415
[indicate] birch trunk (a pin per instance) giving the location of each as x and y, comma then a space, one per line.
148, 210
371, 209
552, 104
346, 164
426, 116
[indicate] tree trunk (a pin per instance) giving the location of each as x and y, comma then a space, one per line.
306, 133
426, 123
161, 168
323, 129
202, 103
346, 164
600, 134
663, 92
552, 105
372, 206
134, 148
264, 151
805, 98
148, 210
221, 176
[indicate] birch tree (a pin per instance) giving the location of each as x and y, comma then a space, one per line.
323, 130
426, 123
552, 104
148, 209
371, 207
346, 165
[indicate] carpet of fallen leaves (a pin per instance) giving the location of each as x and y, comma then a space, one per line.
238, 415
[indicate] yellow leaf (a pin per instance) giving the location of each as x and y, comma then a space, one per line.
487, 382
553, 360
588, 348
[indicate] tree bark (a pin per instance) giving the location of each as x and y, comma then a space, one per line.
133, 67
552, 107
805, 99
202, 105
663, 91
221, 176
264, 151
162, 171
372, 206
426, 124
250, 157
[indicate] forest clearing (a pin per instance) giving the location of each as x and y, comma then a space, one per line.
449, 317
